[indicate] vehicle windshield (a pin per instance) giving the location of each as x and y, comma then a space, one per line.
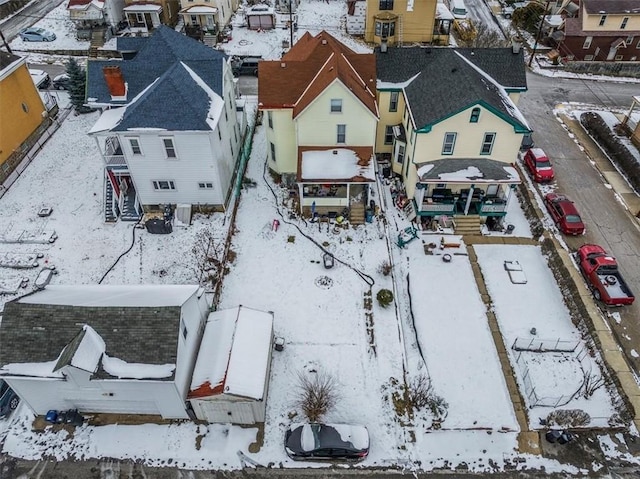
39, 30
573, 219
543, 165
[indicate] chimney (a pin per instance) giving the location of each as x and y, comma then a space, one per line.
115, 81
383, 47
515, 47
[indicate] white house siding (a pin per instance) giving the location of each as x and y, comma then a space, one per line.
194, 315
197, 161
229, 409
283, 136
113, 11
317, 126
126, 396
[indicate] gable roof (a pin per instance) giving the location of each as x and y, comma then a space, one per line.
628, 7
440, 82
84, 4
138, 324
8, 59
157, 65
309, 68
234, 354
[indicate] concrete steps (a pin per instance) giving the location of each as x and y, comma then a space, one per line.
356, 214
467, 225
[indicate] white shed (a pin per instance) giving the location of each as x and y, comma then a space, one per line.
231, 376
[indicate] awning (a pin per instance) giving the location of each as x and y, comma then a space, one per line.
199, 10
472, 170
142, 8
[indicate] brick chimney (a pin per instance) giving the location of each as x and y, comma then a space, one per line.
115, 81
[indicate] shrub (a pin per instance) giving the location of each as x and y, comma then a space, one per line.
316, 394
385, 268
384, 297
568, 418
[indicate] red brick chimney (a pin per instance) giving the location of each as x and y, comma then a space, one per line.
115, 81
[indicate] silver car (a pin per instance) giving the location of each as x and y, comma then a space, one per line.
34, 34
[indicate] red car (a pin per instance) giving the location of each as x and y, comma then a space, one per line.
564, 214
538, 165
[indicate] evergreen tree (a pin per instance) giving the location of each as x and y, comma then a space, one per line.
77, 85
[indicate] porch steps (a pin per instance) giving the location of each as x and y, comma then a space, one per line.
129, 212
109, 216
468, 225
356, 214
97, 41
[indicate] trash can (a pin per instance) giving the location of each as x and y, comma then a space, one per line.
368, 215
553, 435
565, 437
52, 416
278, 343
510, 229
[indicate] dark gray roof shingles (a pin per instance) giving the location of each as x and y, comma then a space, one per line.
489, 169
158, 54
40, 332
446, 83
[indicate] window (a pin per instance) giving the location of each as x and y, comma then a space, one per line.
135, 146
273, 151
475, 115
169, 147
587, 43
226, 117
270, 119
163, 185
623, 25
385, 29
449, 143
184, 331
588, 58
386, 4
205, 186
400, 154
25, 108
603, 19
140, 18
393, 101
629, 40
388, 135
342, 134
618, 58
487, 143
336, 105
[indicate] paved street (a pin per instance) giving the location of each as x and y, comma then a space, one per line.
608, 224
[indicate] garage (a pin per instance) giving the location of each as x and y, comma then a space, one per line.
260, 17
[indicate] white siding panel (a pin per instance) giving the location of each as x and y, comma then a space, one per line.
218, 410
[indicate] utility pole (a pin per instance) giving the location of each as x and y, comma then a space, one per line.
290, 23
535, 44
5, 43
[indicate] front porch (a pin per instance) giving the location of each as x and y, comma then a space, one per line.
143, 18
334, 200
457, 200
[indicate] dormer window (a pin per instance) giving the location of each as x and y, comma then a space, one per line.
475, 115
623, 25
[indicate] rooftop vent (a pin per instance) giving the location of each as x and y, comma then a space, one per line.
283, 64
324, 42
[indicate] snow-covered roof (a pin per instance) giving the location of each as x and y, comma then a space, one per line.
463, 170
200, 10
143, 8
259, 10
108, 120
335, 164
442, 12
112, 296
234, 354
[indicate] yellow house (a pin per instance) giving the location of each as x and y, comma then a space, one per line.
398, 22
450, 128
208, 16
319, 105
143, 16
22, 110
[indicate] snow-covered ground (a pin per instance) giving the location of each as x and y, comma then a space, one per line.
437, 328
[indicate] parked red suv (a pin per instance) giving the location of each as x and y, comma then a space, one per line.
564, 214
538, 165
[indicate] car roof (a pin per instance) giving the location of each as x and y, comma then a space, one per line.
567, 206
538, 153
341, 436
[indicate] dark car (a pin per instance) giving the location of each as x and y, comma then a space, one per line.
9, 400
538, 165
245, 65
61, 82
564, 214
327, 442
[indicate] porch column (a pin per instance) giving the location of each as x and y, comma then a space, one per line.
469, 198
348, 195
301, 196
419, 195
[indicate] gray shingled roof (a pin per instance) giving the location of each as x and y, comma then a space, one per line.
7, 59
612, 6
40, 332
157, 59
489, 169
447, 84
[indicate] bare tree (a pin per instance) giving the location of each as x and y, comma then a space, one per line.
486, 37
591, 383
317, 394
209, 257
